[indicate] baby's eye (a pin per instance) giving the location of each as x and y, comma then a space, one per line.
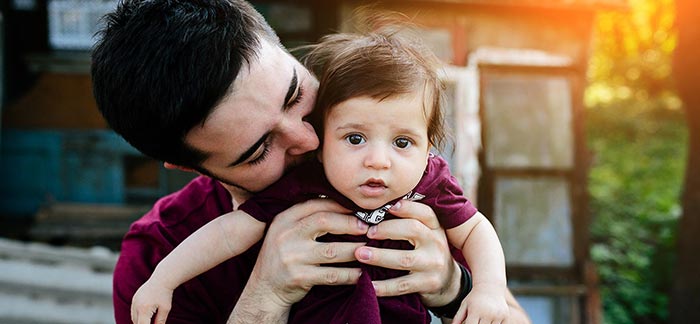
402, 142
355, 139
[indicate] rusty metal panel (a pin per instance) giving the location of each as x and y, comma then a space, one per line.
533, 114
533, 216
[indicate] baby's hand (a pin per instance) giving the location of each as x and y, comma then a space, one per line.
151, 299
484, 304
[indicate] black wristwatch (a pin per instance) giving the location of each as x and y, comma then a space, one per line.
450, 310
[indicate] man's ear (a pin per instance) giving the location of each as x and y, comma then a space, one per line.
177, 167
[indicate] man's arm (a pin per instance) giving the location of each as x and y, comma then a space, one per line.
287, 266
288, 263
217, 241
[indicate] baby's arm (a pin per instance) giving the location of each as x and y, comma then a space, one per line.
217, 241
483, 252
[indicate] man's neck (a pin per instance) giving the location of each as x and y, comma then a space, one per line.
238, 195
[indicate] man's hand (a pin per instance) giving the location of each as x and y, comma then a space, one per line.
432, 271
289, 259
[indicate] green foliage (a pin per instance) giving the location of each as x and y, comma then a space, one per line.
635, 185
638, 137
632, 51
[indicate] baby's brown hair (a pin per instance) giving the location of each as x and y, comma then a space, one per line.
380, 65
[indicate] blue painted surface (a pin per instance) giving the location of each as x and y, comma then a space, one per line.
42, 166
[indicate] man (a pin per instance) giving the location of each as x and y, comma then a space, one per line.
205, 86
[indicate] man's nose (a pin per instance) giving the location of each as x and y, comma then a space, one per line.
377, 157
301, 138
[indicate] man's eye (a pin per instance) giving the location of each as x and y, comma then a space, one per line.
355, 139
298, 95
263, 155
402, 142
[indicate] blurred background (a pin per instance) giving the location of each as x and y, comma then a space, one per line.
575, 130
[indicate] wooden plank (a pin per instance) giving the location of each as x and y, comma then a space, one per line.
42, 284
85, 224
24, 309
96, 258
84, 212
550, 290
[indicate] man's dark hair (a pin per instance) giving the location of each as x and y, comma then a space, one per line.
161, 66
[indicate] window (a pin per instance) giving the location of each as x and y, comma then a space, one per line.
532, 179
72, 23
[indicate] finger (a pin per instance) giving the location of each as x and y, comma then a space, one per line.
334, 252
415, 210
333, 276
144, 315
321, 223
461, 314
472, 319
309, 207
395, 259
399, 229
162, 315
396, 286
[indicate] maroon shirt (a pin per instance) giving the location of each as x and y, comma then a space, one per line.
359, 303
208, 298
211, 296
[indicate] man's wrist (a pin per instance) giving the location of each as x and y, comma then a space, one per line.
256, 306
449, 310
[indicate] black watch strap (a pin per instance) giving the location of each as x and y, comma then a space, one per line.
450, 310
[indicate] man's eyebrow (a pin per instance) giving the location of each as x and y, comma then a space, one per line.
292, 89
290, 92
250, 151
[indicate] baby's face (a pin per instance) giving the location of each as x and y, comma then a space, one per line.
375, 151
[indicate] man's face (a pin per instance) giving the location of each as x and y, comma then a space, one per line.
258, 130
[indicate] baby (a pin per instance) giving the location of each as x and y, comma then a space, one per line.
377, 114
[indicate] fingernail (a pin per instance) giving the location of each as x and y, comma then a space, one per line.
396, 206
365, 254
372, 230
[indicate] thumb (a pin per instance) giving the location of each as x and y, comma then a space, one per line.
162, 315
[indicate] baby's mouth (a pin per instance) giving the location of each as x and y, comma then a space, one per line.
375, 183
373, 188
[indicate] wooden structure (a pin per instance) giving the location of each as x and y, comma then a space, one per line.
516, 73
515, 70
44, 284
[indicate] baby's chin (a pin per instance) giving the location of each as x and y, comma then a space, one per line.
368, 204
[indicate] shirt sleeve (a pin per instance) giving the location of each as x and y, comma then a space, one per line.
451, 207
132, 269
142, 249
446, 196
